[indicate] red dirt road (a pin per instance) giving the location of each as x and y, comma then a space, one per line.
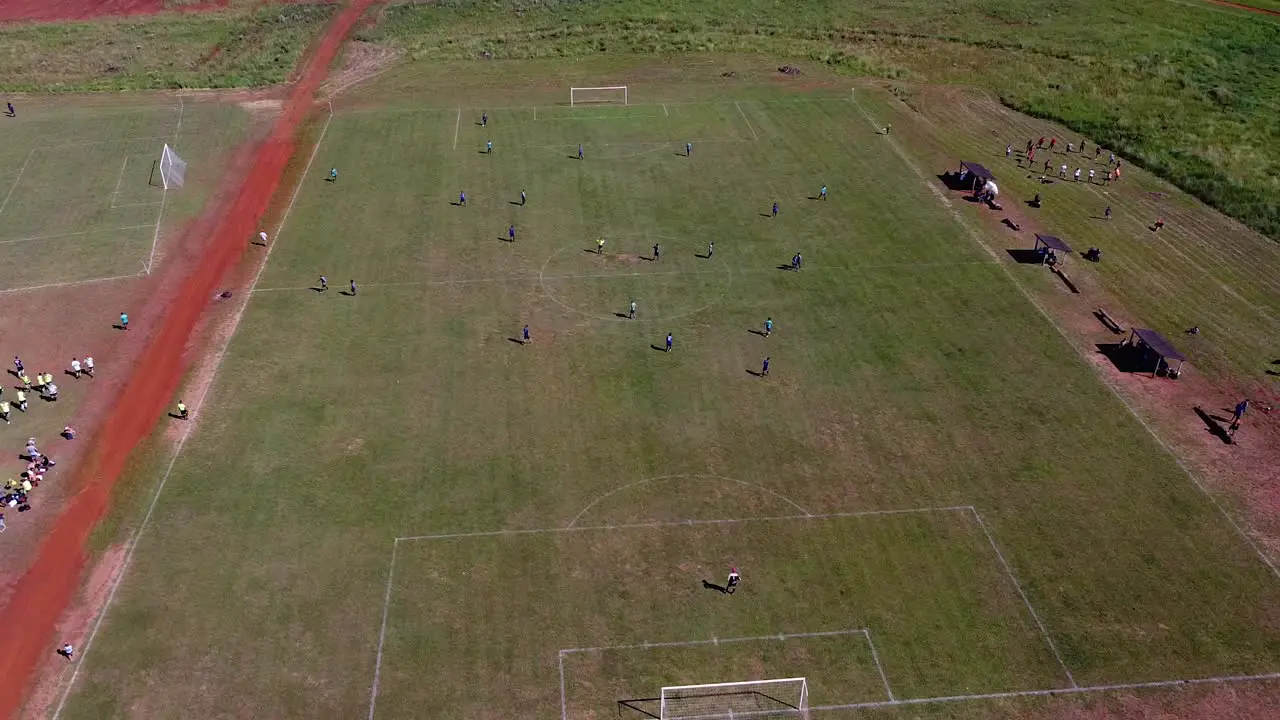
44, 591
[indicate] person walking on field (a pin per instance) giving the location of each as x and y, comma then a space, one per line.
67, 651
484, 119
75, 368
88, 365
353, 288
511, 233
124, 321
21, 399
522, 198
670, 342
688, 149
657, 252
524, 335
324, 284
4, 411
182, 410
764, 368
711, 249
732, 583
768, 327
822, 194
632, 312
775, 208
18, 367
599, 246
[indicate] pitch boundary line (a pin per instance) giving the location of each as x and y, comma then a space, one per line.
72, 283
661, 478
745, 120
72, 234
121, 141
1086, 689
119, 179
534, 107
132, 544
1115, 391
457, 125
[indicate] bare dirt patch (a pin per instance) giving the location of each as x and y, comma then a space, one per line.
360, 61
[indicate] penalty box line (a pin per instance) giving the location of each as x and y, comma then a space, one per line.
780, 637
395, 545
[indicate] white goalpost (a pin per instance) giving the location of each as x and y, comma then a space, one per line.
173, 170
615, 95
785, 698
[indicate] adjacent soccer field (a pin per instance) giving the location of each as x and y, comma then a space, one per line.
391, 507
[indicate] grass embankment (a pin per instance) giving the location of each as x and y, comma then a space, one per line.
1187, 90
232, 48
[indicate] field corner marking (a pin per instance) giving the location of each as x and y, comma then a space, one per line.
382, 632
132, 544
876, 657
745, 120
1022, 593
1115, 391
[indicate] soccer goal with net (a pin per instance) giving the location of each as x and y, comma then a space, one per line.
755, 699
173, 170
616, 95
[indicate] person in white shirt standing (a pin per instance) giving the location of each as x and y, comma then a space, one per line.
88, 365
75, 368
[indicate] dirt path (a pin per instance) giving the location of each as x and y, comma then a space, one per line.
45, 591
1242, 6
51, 10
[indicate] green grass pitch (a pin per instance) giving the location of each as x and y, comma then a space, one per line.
1045, 541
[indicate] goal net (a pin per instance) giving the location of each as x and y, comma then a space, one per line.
616, 95
173, 170
755, 699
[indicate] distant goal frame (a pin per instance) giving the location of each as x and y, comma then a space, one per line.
574, 101
791, 707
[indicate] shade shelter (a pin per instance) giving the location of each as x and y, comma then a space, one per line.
1049, 246
1158, 347
978, 173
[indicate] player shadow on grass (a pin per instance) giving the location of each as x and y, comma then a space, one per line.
708, 585
516, 340
1213, 426
756, 373
659, 348
346, 293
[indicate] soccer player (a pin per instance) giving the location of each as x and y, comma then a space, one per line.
25, 379
12, 112
822, 194
511, 233
579, 151
599, 246
775, 208
1047, 167
462, 198
17, 365
670, 342
1077, 175
1071, 147
324, 284
764, 368
88, 365
768, 327
488, 148
1040, 144
1091, 176
1031, 156
1159, 224
22, 401
75, 368
484, 119
1062, 172
522, 198
124, 321
1107, 213
4, 410
67, 651
1008, 151
711, 249
262, 237
887, 128
353, 288
182, 410
657, 252
524, 334
1112, 160
732, 583
1052, 143
632, 313
688, 149
333, 174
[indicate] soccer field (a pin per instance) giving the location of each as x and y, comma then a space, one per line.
391, 506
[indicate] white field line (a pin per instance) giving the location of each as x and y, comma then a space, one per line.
690, 103
1217, 680
73, 234
779, 637
382, 636
73, 283
596, 276
745, 120
575, 118
876, 656
682, 523
164, 195
564, 700
665, 112
1026, 600
1115, 391
16, 179
182, 441
119, 179
457, 125
104, 142
677, 476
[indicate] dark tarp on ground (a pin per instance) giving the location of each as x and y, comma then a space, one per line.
1052, 243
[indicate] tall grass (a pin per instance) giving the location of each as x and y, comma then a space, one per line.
1189, 91
234, 48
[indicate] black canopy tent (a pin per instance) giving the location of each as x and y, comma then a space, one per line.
980, 174
1158, 345
1047, 245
